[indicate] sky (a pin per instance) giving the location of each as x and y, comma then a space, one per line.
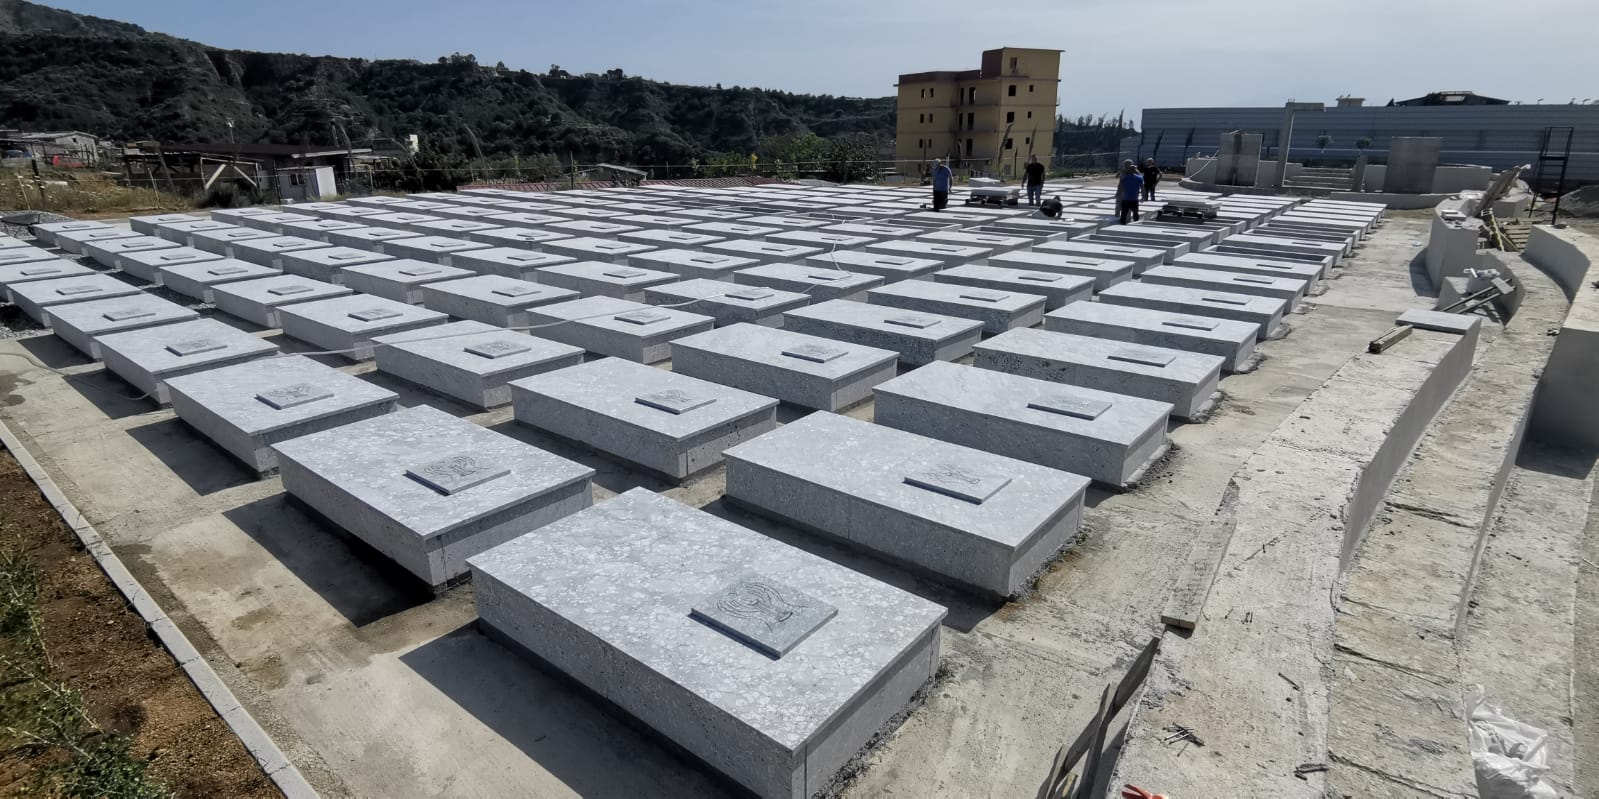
1118, 54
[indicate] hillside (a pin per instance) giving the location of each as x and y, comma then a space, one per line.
60, 70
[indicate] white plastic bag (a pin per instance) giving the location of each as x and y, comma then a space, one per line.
1511, 759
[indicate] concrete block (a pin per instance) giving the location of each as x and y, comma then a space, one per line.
147, 265
1110, 438
1265, 313
586, 248
891, 268
360, 214
258, 301
599, 278
1232, 341
808, 371
985, 522
1461, 324
999, 311
319, 229
455, 228
370, 239
1287, 289
327, 264
1249, 265
621, 329
778, 726
433, 249
1055, 288
109, 253
183, 232
146, 225
1116, 235
727, 303
593, 228
429, 490
677, 239
491, 299
402, 220
765, 252
222, 241
1298, 249
1412, 164
519, 238
48, 231
655, 221
82, 323
347, 325
470, 361
246, 408
508, 262
733, 230
273, 223
13, 256
199, 280
1140, 257
146, 358
946, 254
689, 264
35, 298
34, 271
827, 240
400, 280
918, 337
672, 423
1037, 230
1185, 380
1037, 266
234, 216
1197, 237
970, 237
787, 223
817, 282
73, 239
270, 251
886, 230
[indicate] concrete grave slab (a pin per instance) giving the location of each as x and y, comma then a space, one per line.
224, 241
258, 301
147, 265
786, 222
689, 263
879, 232
1232, 341
828, 240
1141, 258
400, 280
998, 310
918, 337
146, 225
740, 230
34, 271
491, 299
48, 231
598, 278
971, 238
183, 232
727, 303
401, 220
891, 268
780, 727
1185, 380
587, 248
470, 361
73, 240
1248, 265
146, 358
1304, 250
347, 325
110, 252
680, 240
1117, 235
1106, 437
632, 331
456, 228
984, 522
318, 229
808, 371
327, 264
517, 238
432, 249
273, 223
766, 252
35, 298
369, 239
668, 422
1290, 290
13, 256
1265, 313
246, 408
82, 323
816, 282
592, 228
508, 262
1056, 288
234, 216
199, 280
271, 251
944, 253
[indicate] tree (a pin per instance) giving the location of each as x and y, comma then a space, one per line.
1323, 142
1362, 143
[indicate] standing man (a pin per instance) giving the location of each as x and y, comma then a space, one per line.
942, 178
1151, 177
1131, 184
1034, 180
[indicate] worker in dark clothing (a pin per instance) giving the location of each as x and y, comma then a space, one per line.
1129, 187
1033, 180
1151, 177
942, 178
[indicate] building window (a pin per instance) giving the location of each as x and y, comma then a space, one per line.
1029, 115
968, 148
920, 118
929, 119
1010, 144
1029, 88
1012, 90
931, 91
1010, 116
972, 92
924, 93
1013, 63
1028, 140
971, 121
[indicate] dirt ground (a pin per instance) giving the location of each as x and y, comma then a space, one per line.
99, 647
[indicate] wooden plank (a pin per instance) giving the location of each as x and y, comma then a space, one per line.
1187, 601
1059, 784
1382, 343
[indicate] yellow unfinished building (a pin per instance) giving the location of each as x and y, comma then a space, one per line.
986, 121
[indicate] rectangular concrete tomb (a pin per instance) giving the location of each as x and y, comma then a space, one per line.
1104, 272
999, 311
727, 303
433, 249
1266, 313
982, 521
808, 371
588, 248
618, 328
1185, 380
199, 280
347, 325
891, 268
109, 253
1250, 265
1140, 257
246, 408
1290, 290
470, 361
946, 254
148, 357
491, 299
74, 240
226, 241
12, 256
147, 265
1284, 248
82, 323
672, 423
1230, 340
817, 282
689, 264
327, 263
766, 252
49, 232
1110, 438
371, 239
604, 279
35, 298
401, 279
919, 337
1056, 288
507, 262
429, 490
54, 269
771, 665
258, 301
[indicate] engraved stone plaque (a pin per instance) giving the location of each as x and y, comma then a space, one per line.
418, 271
1118, 249
345, 256
517, 291
609, 246
1259, 281
127, 314
673, 400
945, 248
238, 234
74, 291
1194, 325
178, 257
828, 276
498, 349
982, 296
918, 322
1092, 263
457, 473
815, 353
641, 317
763, 614
1142, 358
749, 294
1038, 277
47, 270
195, 346
293, 395
223, 271
623, 274
1224, 301
709, 259
1067, 405
373, 314
288, 291
959, 482
529, 258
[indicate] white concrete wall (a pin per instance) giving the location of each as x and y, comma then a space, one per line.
1457, 178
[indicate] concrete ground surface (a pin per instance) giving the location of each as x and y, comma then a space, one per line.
375, 688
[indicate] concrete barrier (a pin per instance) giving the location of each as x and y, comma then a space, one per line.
1563, 411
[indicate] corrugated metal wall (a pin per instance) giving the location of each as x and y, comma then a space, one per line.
1498, 136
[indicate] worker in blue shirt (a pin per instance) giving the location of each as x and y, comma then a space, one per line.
1131, 184
942, 178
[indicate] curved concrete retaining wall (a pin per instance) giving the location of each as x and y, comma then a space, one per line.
1565, 411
